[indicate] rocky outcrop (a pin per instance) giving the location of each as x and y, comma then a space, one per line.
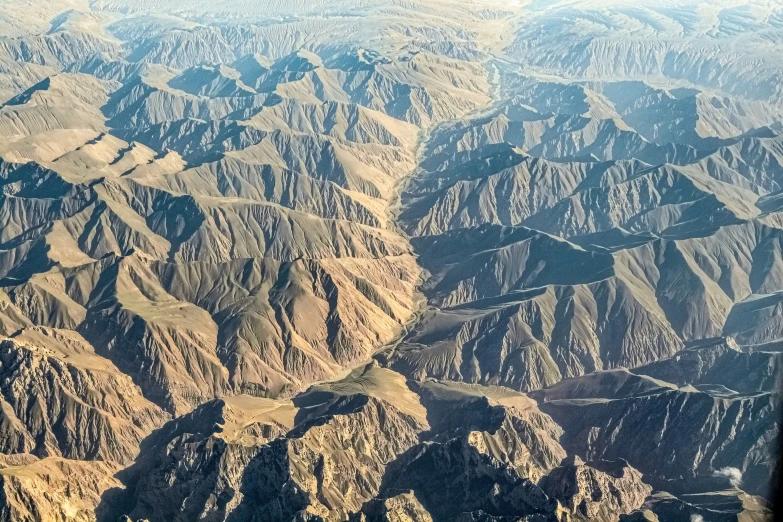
502, 424
61, 399
652, 429
401, 508
53, 488
247, 457
599, 491
455, 477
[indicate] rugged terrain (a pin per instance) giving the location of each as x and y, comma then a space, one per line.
375, 260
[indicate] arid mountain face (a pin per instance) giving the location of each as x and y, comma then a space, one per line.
390, 261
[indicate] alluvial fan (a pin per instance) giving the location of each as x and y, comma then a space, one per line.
390, 261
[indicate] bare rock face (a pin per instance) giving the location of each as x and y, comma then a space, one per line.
61, 399
53, 488
248, 458
503, 424
338, 465
601, 491
456, 477
401, 508
319, 455
653, 432
193, 466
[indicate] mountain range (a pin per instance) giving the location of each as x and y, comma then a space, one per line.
390, 260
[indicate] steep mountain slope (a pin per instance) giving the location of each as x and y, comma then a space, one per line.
316, 455
53, 488
654, 429
61, 399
